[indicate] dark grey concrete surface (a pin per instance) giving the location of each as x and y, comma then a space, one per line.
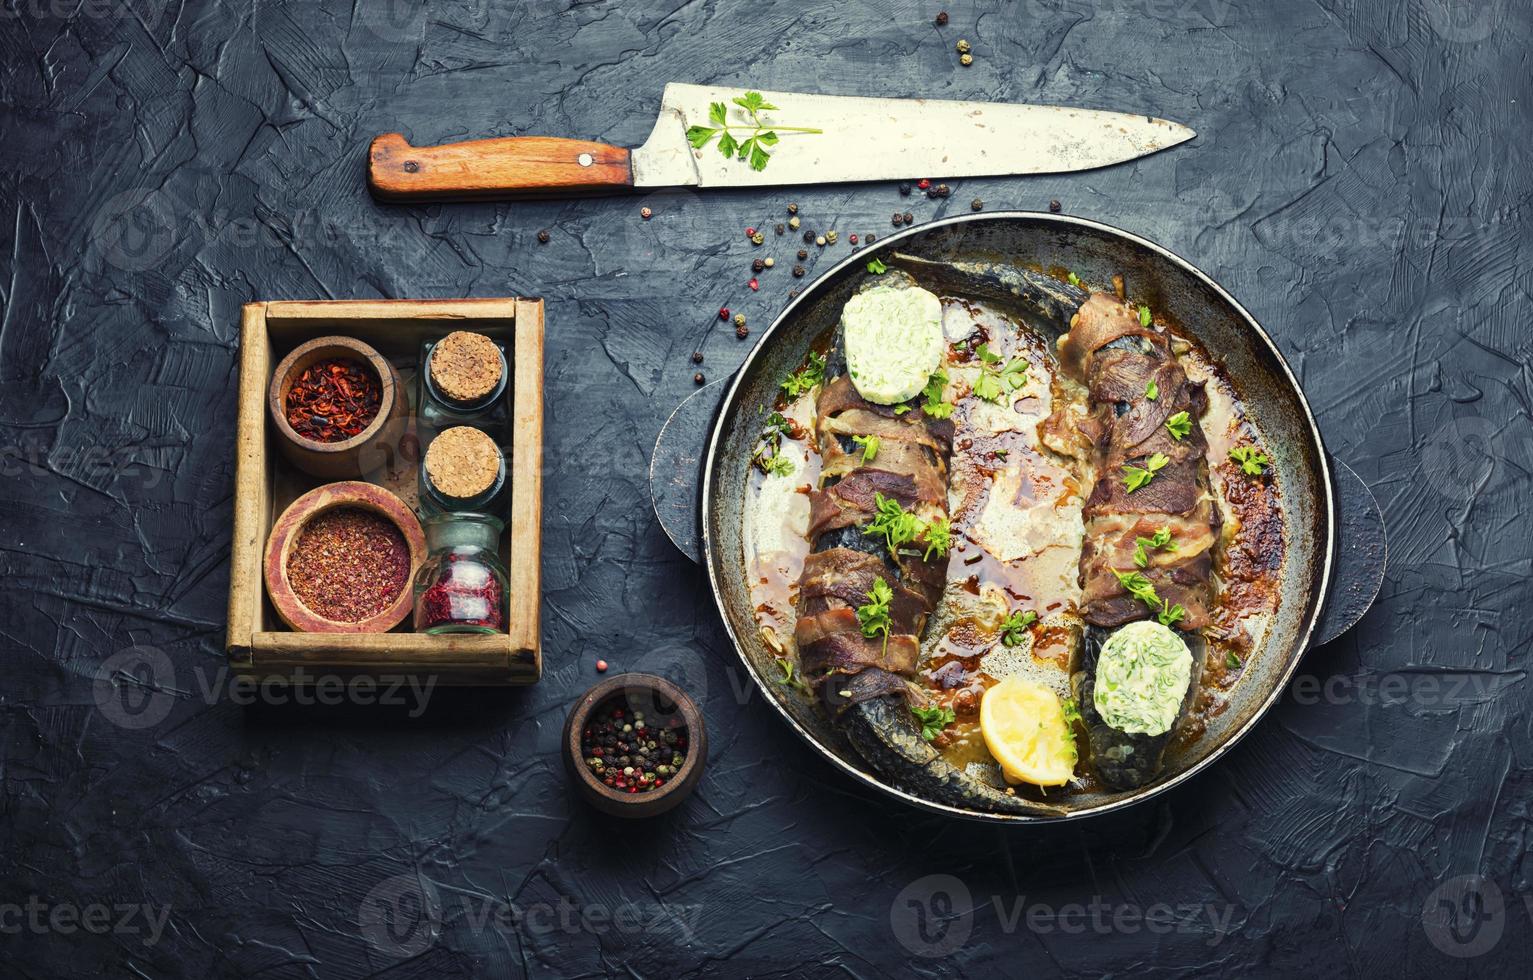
1361, 182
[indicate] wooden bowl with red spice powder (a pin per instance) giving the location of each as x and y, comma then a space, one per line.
330, 399
341, 559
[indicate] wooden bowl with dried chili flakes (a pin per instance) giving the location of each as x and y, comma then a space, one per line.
341, 559
331, 399
635, 745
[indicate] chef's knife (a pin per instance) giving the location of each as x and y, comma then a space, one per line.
858, 139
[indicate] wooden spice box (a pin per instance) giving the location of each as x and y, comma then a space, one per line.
259, 644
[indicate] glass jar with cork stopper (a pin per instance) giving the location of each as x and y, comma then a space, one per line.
463, 471
464, 377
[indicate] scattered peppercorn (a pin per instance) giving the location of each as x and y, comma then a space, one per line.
780, 228
1054, 206
698, 378
755, 284
966, 60
809, 237
942, 18
758, 239
868, 239
543, 237
820, 240
923, 183
803, 253
793, 293
904, 190
963, 46
742, 332
943, 190
757, 265
852, 238
798, 272
601, 666
910, 219
739, 319
723, 313
793, 223
769, 262
750, 232
976, 205
792, 208
897, 219
646, 213
831, 236
697, 357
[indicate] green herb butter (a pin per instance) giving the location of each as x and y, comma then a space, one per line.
894, 342
1142, 676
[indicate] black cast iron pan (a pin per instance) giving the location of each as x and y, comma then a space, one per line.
1335, 548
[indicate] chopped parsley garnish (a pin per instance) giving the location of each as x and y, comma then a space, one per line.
769, 454
1135, 477
1252, 460
1152, 391
994, 381
800, 382
934, 405
791, 677
869, 446
1143, 589
895, 524
1015, 625
874, 617
876, 267
901, 409
1231, 660
933, 720
1073, 279
1179, 425
1161, 539
938, 536
1144, 316
1073, 713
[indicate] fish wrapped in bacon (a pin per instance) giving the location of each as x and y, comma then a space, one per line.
1150, 518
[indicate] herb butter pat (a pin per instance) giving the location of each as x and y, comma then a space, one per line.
893, 340
1142, 677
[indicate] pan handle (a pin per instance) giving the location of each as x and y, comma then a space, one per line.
676, 487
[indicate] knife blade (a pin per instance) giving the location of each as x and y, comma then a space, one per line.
820, 139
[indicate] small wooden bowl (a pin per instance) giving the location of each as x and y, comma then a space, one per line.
334, 460
290, 525
652, 694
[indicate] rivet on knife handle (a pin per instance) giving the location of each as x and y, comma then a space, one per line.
512, 166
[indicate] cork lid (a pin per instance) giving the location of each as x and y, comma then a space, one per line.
465, 366
462, 462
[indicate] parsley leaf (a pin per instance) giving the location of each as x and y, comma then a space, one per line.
1152, 390
938, 536
1144, 316
901, 409
993, 382
768, 455
876, 267
1179, 425
1073, 713
933, 720
869, 446
779, 465
1073, 279
791, 677
1135, 477
1231, 660
935, 406
897, 525
874, 617
1143, 589
1161, 539
753, 148
1015, 625
798, 383
1252, 460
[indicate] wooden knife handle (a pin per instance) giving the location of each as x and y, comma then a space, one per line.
508, 167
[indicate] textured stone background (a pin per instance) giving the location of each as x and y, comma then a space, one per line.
1361, 182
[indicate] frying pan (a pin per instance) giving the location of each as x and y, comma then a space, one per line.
1335, 536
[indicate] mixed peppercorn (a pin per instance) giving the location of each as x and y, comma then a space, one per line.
630, 752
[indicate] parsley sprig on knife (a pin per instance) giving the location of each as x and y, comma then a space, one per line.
754, 147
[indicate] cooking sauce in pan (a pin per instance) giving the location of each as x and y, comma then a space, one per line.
1015, 506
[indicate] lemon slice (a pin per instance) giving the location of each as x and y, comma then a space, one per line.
1025, 730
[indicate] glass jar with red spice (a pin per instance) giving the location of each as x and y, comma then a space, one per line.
461, 587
